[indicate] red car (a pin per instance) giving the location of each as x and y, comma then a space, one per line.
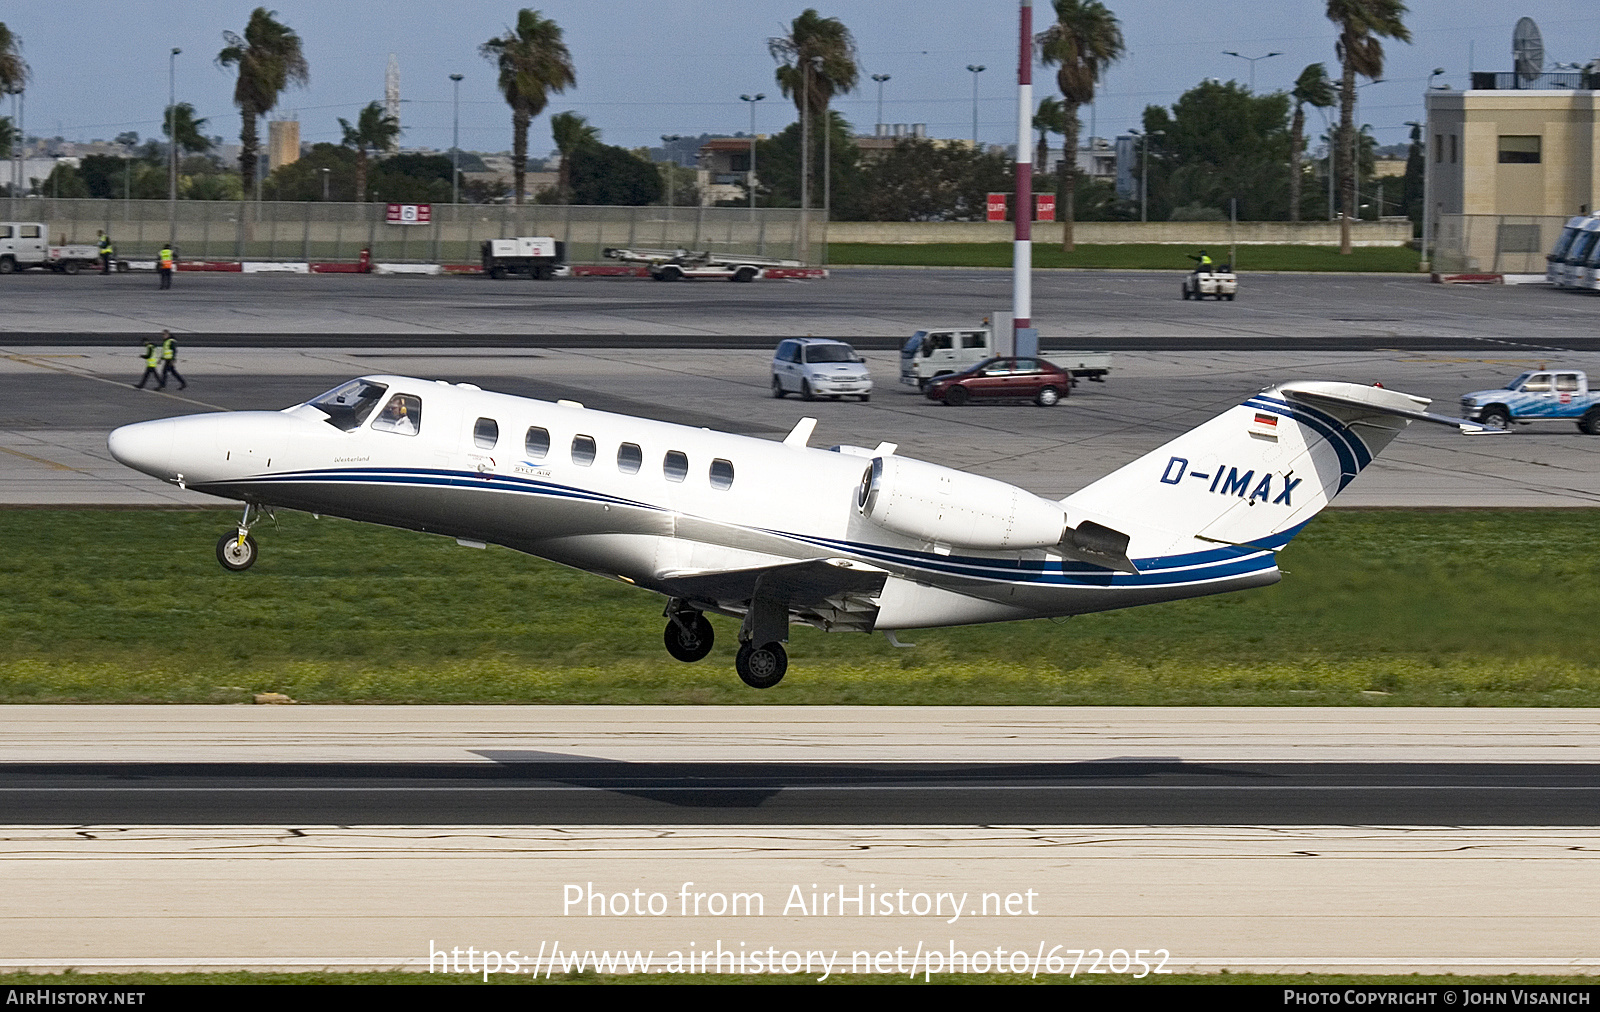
1020, 379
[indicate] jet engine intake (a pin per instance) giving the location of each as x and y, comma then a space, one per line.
943, 505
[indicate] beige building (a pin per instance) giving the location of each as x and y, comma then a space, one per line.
283, 142
1513, 151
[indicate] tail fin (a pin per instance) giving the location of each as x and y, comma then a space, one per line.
1252, 476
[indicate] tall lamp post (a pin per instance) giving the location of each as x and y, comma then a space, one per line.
976, 68
1252, 59
455, 140
750, 176
172, 145
1144, 170
880, 78
667, 139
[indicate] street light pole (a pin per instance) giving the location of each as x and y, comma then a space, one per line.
667, 139
976, 68
880, 78
324, 172
750, 176
1252, 59
455, 141
172, 145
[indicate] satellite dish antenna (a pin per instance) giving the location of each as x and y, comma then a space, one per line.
1527, 49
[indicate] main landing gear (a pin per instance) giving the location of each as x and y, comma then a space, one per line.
689, 637
237, 551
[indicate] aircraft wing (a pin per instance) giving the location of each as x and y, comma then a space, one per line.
827, 593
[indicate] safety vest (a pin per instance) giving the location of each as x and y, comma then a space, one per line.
1205, 261
169, 349
152, 354
166, 258
105, 246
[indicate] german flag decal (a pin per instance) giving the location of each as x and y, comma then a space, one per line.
1265, 425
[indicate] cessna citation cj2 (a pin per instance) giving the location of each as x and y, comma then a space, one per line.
844, 539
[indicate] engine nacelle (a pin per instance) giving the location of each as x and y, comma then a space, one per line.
933, 503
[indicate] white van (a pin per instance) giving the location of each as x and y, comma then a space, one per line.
22, 245
1569, 270
1553, 259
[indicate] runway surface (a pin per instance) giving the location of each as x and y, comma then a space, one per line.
881, 307
777, 766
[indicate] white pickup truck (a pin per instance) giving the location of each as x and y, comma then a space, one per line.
929, 354
22, 245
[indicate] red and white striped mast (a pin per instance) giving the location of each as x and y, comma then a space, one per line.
1022, 242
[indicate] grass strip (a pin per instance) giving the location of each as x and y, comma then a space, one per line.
1122, 256
1459, 608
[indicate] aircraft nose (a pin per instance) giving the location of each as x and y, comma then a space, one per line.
144, 446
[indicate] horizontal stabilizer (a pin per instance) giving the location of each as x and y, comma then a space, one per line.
1343, 403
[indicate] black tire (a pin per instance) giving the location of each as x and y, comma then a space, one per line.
497, 272
956, 396
1230, 296
1589, 424
692, 640
745, 275
1183, 290
670, 272
8, 265
236, 555
544, 272
805, 391
1048, 397
71, 267
122, 266
865, 398
761, 667
777, 387
1495, 416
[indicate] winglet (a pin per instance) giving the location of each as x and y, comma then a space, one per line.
800, 435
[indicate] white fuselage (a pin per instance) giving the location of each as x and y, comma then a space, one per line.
655, 499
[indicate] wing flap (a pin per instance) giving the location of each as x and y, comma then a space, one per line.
811, 582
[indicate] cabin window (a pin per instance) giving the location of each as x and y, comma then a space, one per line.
403, 414
721, 474
1538, 383
675, 465
536, 443
5, 232
1566, 382
486, 433
31, 231
938, 341
629, 458
583, 450
974, 339
349, 404
1519, 149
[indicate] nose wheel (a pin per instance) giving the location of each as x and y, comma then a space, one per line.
761, 667
237, 550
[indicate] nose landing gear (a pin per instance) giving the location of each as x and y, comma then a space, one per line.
237, 551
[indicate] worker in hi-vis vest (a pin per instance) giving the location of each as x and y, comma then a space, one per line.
169, 361
1202, 263
106, 252
152, 362
165, 264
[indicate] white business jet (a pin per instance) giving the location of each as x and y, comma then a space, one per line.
844, 539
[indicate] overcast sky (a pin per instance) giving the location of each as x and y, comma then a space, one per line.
100, 67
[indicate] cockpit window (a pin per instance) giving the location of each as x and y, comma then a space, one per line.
403, 414
349, 404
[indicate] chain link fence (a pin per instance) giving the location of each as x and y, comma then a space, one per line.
1495, 243
331, 232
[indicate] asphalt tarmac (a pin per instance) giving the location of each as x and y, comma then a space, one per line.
521, 788
877, 307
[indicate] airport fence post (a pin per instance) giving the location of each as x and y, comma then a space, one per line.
305, 239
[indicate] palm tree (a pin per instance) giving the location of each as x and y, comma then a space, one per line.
1361, 23
1050, 119
180, 119
817, 60
1082, 43
269, 59
13, 76
1311, 88
570, 132
375, 130
533, 61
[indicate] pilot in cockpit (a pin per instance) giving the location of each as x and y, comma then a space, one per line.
396, 418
